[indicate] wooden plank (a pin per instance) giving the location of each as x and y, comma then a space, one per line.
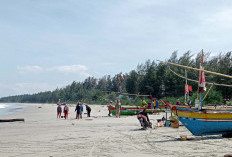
12, 120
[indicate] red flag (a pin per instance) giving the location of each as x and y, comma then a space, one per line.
187, 89
201, 86
122, 76
190, 88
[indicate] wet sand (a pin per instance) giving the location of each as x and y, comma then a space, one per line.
42, 134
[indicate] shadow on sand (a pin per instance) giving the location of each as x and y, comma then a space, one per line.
139, 129
201, 138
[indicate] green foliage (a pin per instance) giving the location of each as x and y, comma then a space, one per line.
214, 97
173, 100
149, 78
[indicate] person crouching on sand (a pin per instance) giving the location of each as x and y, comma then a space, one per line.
88, 109
59, 110
66, 110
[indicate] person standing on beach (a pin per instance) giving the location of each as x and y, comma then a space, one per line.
59, 110
118, 108
66, 110
153, 103
81, 110
78, 108
110, 105
88, 109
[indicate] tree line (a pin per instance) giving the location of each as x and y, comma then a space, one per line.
150, 78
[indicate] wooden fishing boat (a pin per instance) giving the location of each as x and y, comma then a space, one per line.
200, 121
205, 121
133, 110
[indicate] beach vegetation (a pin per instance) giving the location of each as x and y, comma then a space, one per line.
150, 78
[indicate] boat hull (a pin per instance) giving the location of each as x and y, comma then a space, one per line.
199, 127
204, 122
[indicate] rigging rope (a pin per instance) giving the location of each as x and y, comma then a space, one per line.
216, 84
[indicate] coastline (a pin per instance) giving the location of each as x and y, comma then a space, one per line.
42, 134
11, 108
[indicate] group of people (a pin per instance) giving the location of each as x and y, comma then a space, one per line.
65, 110
79, 110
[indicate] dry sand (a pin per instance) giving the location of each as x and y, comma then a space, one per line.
42, 134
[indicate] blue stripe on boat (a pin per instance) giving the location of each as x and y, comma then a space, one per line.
200, 127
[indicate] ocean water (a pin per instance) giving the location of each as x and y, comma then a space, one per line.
6, 109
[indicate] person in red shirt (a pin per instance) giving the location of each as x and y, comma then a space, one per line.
66, 110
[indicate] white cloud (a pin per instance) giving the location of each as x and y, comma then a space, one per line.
71, 68
81, 69
30, 69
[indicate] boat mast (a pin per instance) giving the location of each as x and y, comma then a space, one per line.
201, 86
186, 87
119, 85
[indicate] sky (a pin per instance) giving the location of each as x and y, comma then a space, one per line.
48, 44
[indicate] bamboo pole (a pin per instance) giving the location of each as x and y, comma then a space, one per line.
208, 91
216, 84
126, 93
187, 67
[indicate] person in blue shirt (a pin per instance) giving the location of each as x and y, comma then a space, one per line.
81, 110
78, 110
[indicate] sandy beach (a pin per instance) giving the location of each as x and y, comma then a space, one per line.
42, 134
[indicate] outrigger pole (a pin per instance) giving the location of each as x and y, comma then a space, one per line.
201, 71
127, 94
187, 67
